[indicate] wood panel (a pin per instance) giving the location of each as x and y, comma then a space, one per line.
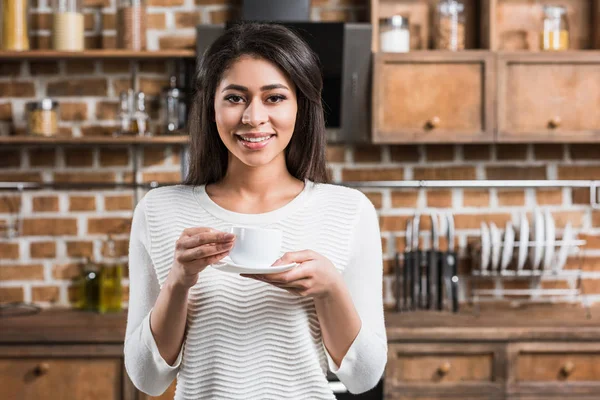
552, 366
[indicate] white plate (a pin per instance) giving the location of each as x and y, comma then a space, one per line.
485, 246
550, 237
226, 265
537, 237
509, 241
523, 242
496, 244
563, 253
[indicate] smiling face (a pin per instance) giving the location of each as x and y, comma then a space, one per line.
255, 111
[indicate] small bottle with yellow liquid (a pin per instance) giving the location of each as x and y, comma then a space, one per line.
111, 290
89, 286
555, 36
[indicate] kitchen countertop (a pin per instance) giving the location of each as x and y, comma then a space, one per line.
541, 322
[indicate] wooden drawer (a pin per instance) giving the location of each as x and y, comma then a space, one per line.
542, 99
41, 378
432, 97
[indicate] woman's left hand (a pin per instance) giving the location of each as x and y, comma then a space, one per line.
314, 276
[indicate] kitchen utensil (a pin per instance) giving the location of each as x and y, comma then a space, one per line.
486, 247
523, 242
563, 253
550, 238
432, 265
407, 270
452, 264
509, 241
416, 258
496, 244
537, 236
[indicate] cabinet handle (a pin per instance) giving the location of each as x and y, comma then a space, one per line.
433, 123
444, 369
554, 122
567, 369
41, 369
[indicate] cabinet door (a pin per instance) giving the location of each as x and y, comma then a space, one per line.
547, 98
424, 97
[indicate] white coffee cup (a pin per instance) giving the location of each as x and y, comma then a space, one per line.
255, 247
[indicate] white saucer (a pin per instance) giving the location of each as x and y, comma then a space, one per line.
226, 265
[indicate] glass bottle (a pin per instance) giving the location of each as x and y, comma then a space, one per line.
139, 125
15, 31
394, 34
124, 114
555, 36
450, 31
68, 29
131, 24
171, 107
111, 290
89, 287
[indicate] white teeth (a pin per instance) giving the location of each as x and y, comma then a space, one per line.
256, 140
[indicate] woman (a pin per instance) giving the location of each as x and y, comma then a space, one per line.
257, 159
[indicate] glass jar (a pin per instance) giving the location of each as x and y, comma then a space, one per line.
450, 33
131, 24
15, 34
68, 30
394, 34
42, 117
173, 108
555, 36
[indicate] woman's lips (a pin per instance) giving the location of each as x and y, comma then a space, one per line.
254, 145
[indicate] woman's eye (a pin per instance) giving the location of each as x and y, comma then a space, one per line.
276, 98
234, 98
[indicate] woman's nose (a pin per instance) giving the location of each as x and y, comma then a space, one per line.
255, 114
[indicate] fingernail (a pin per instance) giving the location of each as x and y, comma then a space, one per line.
229, 236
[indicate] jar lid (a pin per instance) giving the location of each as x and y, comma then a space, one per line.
46, 104
555, 10
451, 7
398, 21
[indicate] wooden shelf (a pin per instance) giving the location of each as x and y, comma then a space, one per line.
17, 140
102, 54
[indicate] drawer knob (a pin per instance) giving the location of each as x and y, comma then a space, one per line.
444, 369
433, 123
567, 369
41, 369
554, 122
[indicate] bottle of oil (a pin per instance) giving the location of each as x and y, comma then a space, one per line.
111, 290
89, 294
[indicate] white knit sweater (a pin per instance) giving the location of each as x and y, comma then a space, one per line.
246, 339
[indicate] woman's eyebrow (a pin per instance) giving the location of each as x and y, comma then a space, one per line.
241, 88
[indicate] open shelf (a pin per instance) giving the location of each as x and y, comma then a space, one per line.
95, 54
7, 140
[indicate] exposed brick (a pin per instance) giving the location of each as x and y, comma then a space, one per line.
80, 249
81, 177
80, 67
221, 16
177, 42
576, 218
439, 152
17, 89
20, 177
588, 263
548, 151
118, 203
476, 152
549, 197
97, 3
82, 203
585, 151
336, 153
377, 174
45, 293
508, 173
10, 158
45, 204
121, 85
121, 248
162, 177
154, 156
79, 157
153, 66
42, 157
67, 271
336, 15
49, 226
375, 198
78, 87
506, 152
555, 285
394, 222
404, 153
590, 286
89, 24
444, 173
592, 241
367, 154
157, 21
511, 197
384, 245
165, 3
116, 67
41, 21
9, 294
580, 196
596, 218
153, 87
6, 112
404, 198
109, 42
9, 251
473, 221
187, 19
516, 284
93, 131
109, 21
41, 42
73, 111
439, 198
108, 225
10, 68
591, 172
42, 249
43, 67
34, 272
112, 157
10, 204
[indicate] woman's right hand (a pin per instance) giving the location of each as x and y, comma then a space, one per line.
196, 249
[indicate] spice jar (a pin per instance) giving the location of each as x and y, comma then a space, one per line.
555, 36
131, 24
42, 117
394, 34
450, 25
67, 31
14, 34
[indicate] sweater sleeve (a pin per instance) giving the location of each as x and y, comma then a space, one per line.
148, 371
363, 365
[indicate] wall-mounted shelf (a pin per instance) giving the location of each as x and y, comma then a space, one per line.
95, 54
17, 140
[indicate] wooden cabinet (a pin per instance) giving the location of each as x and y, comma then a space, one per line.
544, 99
433, 97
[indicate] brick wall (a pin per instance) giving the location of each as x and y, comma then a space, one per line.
60, 228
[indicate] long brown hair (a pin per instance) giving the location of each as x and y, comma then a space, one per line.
305, 154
